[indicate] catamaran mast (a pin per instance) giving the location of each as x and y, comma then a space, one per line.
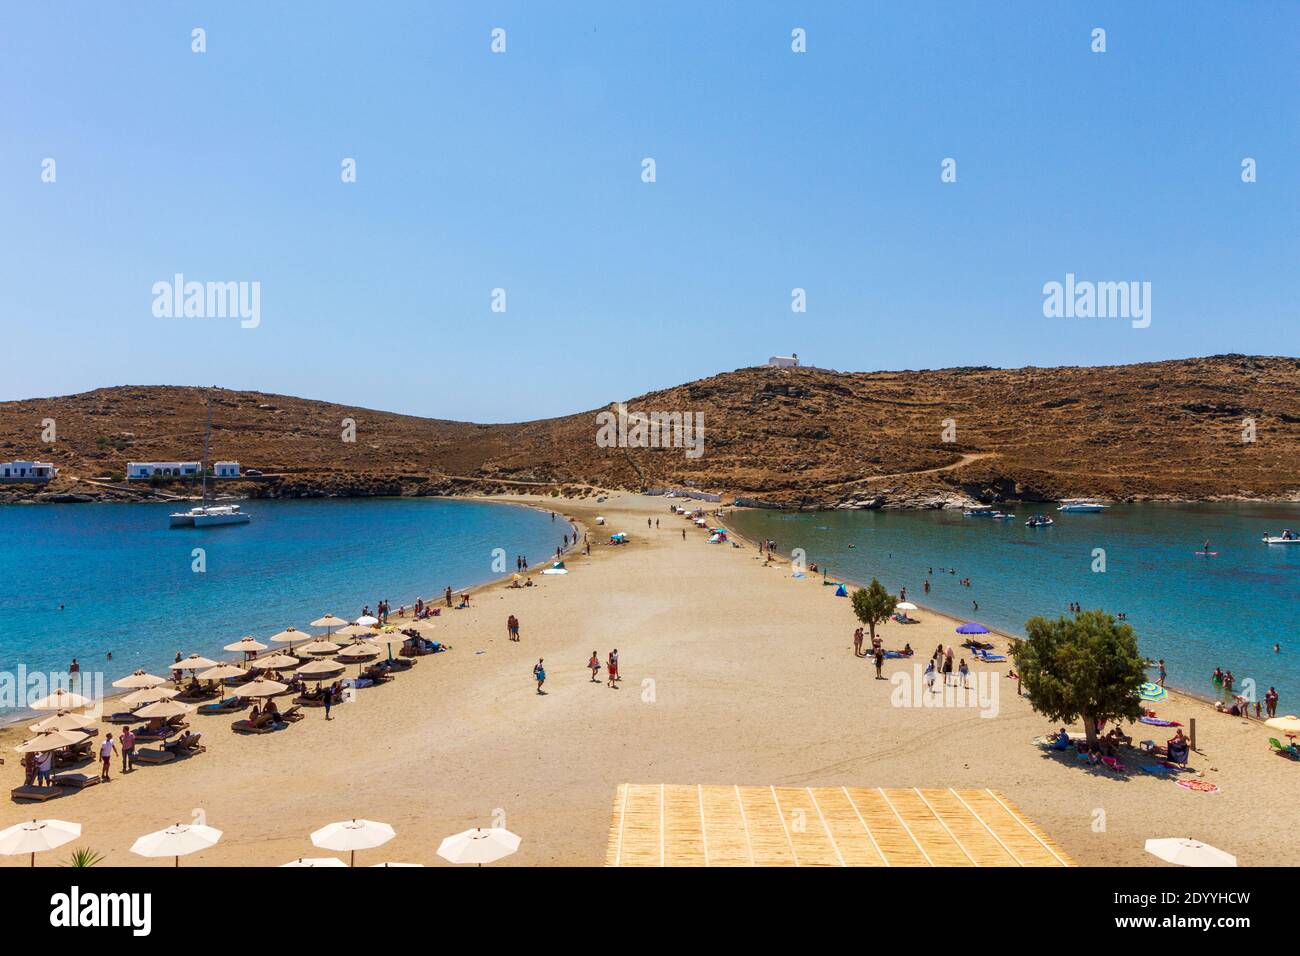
207, 433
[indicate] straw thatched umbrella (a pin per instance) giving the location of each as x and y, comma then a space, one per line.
480, 845
195, 662
319, 670
329, 622
61, 700
177, 841
278, 662
139, 679
222, 673
355, 630
37, 836
352, 835
262, 688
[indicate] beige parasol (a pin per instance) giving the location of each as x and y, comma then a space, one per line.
51, 740
261, 688
62, 721
355, 630
222, 672
194, 662
139, 679
149, 695
61, 700
246, 645
289, 635
320, 647
277, 662
165, 708
318, 670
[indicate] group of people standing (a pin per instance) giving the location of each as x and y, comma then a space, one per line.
611, 669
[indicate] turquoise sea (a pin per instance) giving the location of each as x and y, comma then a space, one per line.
1197, 612
85, 580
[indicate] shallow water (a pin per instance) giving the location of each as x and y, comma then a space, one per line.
1196, 612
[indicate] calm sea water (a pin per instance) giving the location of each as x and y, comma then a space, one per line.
1196, 612
126, 584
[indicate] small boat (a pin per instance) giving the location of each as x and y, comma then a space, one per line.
980, 511
208, 515
1286, 537
1039, 521
1081, 505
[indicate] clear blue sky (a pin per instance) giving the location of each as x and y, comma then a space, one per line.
522, 171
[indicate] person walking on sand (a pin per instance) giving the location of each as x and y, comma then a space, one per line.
612, 666
128, 749
880, 661
947, 667
328, 700
594, 665
1160, 681
106, 751
683, 534
857, 643
964, 671
929, 674
448, 595
1270, 701
539, 674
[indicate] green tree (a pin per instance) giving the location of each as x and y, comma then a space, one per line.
1084, 668
873, 605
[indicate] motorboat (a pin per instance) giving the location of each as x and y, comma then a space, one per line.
1080, 505
1039, 521
1286, 537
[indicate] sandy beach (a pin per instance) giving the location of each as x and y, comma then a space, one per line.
734, 673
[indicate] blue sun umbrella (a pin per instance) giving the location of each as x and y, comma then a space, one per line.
972, 628
1151, 692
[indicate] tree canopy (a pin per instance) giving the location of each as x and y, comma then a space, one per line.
1086, 667
873, 605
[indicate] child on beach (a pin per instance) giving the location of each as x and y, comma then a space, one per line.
594, 665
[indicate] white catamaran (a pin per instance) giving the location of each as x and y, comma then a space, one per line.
1080, 504
209, 515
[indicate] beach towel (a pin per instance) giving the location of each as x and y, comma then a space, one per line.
1157, 722
1200, 786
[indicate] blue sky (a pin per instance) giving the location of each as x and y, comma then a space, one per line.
522, 171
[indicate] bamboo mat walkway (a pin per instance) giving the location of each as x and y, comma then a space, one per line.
684, 825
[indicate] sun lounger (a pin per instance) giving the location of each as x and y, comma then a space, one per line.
35, 793
248, 727
229, 705
154, 756
1287, 751
294, 713
145, 737
123, 717
78, 781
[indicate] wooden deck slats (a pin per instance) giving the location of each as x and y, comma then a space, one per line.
690, 825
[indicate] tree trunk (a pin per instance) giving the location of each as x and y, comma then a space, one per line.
871, 625
1090, 728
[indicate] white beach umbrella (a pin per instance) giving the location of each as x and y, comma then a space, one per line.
165, 708
905, 606
61, 700
194, 662
366, 620
62, 721
246, 645
1185, 851
37, 836
313, 861
352, 835
1290, 724
139, 679
51, 740
480, 845
148, 695
178, 840
329, 621
377, 865
355, 630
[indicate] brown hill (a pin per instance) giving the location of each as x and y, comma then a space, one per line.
1165, 429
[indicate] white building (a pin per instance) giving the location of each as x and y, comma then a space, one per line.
27, 471
784, 361
226, 469
162, 469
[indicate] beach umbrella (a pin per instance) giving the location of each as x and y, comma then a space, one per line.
480, 845
352, 835
315, 861
147, 695
1290, 724
289, 635
277, 662
62, 721
222, 672
61, 700
905, 606
51, 740
262, 688
165, 708
329, 622
366, 619
139, 679
319, 669
246, 645
37, 836
360, 650
194, 662
970, 627
1152, 692
1185, 851
355, 630
178, 840
320, 647
375, 865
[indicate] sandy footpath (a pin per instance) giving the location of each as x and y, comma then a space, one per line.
734, 673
